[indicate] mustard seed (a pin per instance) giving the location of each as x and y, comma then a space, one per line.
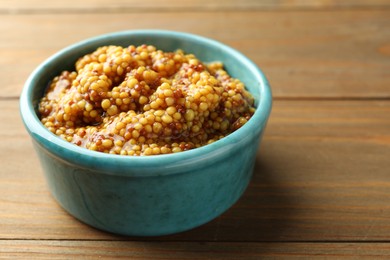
138, 100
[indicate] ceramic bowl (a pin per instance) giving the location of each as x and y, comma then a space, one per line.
151, 195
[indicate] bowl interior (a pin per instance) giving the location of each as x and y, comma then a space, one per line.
205, 49
236, 64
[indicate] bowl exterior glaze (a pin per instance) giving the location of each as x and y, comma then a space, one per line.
155, 205
152, 195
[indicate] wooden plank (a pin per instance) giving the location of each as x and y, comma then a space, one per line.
21, 249
18, 6
321, 175
26, 206
330, 54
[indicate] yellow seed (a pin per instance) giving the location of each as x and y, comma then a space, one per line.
126, 101
112, 110
118, 60
123, 95
242, 121
159, 113
150, 118
107, 143
228, 104
169, 101
102, 57
118, 101
135, 134
165, 150
156, 150
224, 125
93, 113
203, 106
176, 149
210, 97
132, 82
236, 97
159, 101
209, 88
197, 95
148, 128
165, 85
144, 55
168, 92
81, 104
119, 143
157, 127
67, 109
154, 105
204, 92
94, 86
106, 68
148, 151
194, 106
167, 119
228, 112
193, 62
195, 128
216, 98
138, 126
141, 139
59, 117
120, 125
140, 69
143, 121
93, 147
74, 108
171, 110
176, 116
105, 104
189, 115
146, 107
119, 70
142, 100
126, 57
115, 94
66, 117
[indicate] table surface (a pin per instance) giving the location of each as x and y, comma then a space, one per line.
321, 185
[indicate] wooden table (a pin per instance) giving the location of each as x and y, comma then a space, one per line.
321, 186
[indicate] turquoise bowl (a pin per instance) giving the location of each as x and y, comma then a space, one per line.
151, 195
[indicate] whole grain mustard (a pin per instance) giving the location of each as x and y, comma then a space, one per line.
143, 101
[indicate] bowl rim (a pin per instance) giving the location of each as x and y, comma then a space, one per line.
170, 162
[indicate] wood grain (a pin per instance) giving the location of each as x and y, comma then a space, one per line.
18, 6
179, 250
321, 182
321, 175
322, 54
